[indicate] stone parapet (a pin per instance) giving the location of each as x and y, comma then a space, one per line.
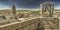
47, 23
37, 23
21, 25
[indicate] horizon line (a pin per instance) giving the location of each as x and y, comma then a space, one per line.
22, 9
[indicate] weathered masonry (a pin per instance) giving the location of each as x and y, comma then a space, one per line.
47, 9
46, 22
37, 23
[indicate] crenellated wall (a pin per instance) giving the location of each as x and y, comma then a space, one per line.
37, 23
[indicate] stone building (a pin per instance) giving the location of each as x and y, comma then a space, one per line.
47, 9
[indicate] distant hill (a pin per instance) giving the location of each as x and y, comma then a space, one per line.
57, 11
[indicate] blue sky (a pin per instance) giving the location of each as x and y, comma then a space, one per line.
26, 4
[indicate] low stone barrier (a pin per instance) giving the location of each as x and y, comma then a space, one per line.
30, 24
49, 23
38, 23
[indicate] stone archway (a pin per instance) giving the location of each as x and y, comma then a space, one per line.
47, 9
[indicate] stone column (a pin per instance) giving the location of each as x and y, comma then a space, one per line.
52, 9
41, 10
14, 11
50, 12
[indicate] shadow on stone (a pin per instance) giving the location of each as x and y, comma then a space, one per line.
41, 29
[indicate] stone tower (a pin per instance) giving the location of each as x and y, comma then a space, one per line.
47, 9
14, 11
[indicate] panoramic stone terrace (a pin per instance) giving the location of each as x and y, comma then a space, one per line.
37, 23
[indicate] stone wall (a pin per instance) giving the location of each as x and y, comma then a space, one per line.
33, 24
49, 23
30, 24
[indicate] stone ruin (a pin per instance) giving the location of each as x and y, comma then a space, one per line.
23, 15
14, 11
47, 9
46, 22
